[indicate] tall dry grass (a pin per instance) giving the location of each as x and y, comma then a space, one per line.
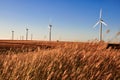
67, 62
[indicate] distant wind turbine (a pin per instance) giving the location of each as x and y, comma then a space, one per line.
31, 36
100, 22
12, 35
50, 26
22, 37
27, 33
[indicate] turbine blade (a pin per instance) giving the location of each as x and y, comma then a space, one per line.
103, 23
96, 24
50, 20
100, 13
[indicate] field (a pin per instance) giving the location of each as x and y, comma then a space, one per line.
40, 60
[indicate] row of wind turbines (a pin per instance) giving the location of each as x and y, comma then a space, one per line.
100, 21
50, 26
22, 36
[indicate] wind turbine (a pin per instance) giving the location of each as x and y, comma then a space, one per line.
50, 26
22, 37
12, 35
100, 22
27, 33
31, 36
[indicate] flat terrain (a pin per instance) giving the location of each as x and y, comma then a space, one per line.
42, 60
23, 45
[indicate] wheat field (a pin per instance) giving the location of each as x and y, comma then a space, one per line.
68, 61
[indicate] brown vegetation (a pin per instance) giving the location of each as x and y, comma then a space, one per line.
66, 61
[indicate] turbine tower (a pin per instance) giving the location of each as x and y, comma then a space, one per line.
100, 22
50, 26
27, 33
22, 37
31, 36
12, 35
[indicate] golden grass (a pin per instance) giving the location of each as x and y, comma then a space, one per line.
69, 61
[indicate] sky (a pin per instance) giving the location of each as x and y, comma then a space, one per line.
72, 20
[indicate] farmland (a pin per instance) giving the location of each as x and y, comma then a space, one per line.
42, 60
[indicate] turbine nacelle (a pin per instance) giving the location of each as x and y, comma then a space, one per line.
100, 20
50, 26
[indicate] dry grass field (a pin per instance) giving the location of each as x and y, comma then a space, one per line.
58, 61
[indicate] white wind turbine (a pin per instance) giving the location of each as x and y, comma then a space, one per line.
12, 35
50, 27
27, 33
100, 22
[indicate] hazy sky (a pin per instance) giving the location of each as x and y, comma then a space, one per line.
72, 20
